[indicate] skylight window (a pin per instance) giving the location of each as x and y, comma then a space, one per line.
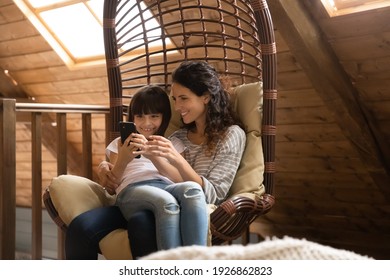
74, 28
344, 7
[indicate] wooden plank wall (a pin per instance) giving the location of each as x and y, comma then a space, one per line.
324, 191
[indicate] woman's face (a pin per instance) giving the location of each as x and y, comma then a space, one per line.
192, 108
148, 124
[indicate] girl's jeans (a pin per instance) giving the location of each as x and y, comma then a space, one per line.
180, 210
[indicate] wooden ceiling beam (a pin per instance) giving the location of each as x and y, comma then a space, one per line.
318, 60
8, 89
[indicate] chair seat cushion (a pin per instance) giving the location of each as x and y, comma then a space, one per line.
116, 245
72, 195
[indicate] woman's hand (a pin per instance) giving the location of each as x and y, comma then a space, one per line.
106, 178
162, 147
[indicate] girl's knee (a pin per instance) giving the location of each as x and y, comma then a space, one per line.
171, 208
194, 190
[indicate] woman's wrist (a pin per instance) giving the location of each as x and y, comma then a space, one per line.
103, 165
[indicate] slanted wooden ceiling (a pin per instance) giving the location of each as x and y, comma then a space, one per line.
333, 116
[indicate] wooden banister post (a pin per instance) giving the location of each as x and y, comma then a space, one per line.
36, 175
87, 145
7, 179
62, 168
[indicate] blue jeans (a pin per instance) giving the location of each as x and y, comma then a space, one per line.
87, 229
180, 210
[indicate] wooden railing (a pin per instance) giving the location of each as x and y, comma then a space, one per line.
9, 110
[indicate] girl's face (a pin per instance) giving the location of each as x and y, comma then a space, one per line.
148, 124
192, 108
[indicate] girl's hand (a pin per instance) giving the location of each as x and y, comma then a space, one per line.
125, 150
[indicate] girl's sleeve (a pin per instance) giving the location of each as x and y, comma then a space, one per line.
224, 167
112, 147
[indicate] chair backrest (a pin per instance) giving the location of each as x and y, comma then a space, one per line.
146, 40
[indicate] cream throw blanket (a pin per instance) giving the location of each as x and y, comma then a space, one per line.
286, 248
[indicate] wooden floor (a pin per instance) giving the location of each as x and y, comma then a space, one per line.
49, 250
24, 230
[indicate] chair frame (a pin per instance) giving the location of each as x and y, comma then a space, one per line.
233, 216
256, 62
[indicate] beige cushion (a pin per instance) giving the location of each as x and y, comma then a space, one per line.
72, 195
248, 103
116, 246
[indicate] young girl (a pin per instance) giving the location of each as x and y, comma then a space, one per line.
150, 182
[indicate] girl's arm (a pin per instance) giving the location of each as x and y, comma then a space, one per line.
123, 157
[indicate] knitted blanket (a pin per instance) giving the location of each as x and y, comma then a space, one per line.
286, 248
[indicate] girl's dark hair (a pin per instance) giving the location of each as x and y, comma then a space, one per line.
151, 99
201, 78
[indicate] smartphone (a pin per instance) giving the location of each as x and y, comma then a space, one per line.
125, 129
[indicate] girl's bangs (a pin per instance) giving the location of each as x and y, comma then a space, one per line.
147, 105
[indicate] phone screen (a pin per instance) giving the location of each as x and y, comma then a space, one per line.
126, 128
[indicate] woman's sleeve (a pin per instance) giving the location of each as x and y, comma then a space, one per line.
177, 143
223, 167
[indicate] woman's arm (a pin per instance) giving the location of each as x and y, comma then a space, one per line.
147, 149
106, 178
166, 169
218, 173
161, 147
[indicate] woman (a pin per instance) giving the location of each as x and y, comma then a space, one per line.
214, 141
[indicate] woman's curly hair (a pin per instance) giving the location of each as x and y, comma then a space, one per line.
201, 78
